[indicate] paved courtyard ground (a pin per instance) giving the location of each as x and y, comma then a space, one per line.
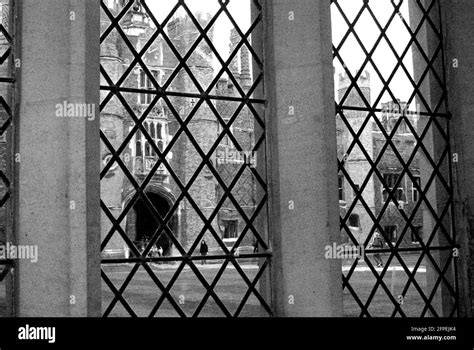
142, 293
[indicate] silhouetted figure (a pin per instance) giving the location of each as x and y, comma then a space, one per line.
203, 250
378, 244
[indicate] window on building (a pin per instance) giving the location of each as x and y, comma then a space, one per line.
160, 145
382, 52
154, 129
230, 229
414, 192
391, 233
144, 82
159, 131
144, 152
354, 220
416, 234
341, 188
165, 201
138, 144
390, 180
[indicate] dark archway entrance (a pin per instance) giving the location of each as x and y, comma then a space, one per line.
142, 223
147, 223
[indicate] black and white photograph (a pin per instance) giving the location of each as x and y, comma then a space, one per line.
238, 165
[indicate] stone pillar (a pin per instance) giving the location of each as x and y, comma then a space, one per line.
249, 75
58, 196
435, 144
302, 158
459, 53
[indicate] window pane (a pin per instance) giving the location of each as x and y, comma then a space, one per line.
391, 122
177, 203
159, 134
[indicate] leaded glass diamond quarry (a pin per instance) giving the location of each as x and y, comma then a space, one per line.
183, 181
395, 189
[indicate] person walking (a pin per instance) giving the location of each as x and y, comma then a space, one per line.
378, 244
203, 250
255, 247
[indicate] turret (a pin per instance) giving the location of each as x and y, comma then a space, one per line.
354, 98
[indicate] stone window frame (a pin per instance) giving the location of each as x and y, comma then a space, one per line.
414, 190
384, 191
236, 232
148, 98
356, 218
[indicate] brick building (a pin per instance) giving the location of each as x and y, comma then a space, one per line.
162, 124
374, 194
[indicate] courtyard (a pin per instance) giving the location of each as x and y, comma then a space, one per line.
142, 293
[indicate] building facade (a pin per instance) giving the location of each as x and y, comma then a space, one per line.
183, 157
399, 123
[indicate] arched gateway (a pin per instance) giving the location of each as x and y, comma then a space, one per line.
142, 223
